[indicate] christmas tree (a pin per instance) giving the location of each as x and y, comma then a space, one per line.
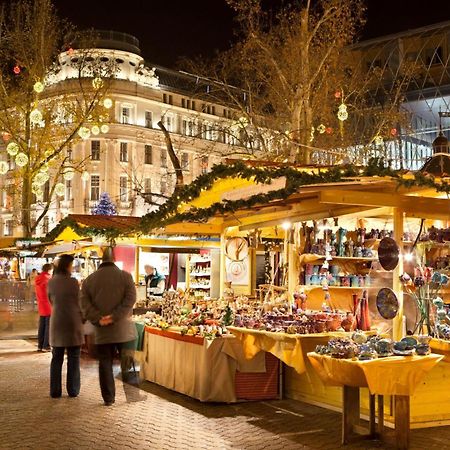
105, 206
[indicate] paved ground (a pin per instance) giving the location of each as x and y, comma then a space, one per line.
151, 417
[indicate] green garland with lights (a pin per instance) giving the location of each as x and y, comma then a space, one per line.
168, 212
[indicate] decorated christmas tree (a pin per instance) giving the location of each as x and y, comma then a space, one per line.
105, 206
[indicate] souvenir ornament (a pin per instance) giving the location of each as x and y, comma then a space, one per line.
95, 130
342, 112
107, 103
38, 87
21, 159
3, 167
69, 174
388, 253
97, 83
84, 133
12, 148
60, 189
104, 128
36, 117
85, 175
387, 303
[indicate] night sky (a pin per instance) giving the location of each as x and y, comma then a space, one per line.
171, 29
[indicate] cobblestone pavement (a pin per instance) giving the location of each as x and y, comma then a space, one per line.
151, 417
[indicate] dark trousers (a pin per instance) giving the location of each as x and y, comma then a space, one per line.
106, 353
73, 371
44, 325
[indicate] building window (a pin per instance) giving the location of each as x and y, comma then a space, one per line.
95, 150
163, 157
167, 98
68, 195
148, 189
168, 122
125, 116
123, 152
213, 110
163, 188
434, 56
70, 155
148, 119
193, 105
188, 127
123, 192
46, 192
95, 188
46, 225
185, 161
9, 227
148, 154
204, 162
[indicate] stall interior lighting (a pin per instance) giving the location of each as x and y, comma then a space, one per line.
408, 257
286, 226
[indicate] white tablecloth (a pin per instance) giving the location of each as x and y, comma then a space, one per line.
205, 372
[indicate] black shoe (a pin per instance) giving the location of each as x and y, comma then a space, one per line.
110, 403
48, 349
39, 350
55, 396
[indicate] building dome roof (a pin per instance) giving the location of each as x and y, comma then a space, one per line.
438, 165
440, 144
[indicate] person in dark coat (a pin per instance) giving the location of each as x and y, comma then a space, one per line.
107, 299
44, 307
66, 327
155, 282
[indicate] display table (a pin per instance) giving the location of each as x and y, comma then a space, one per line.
396, 376
288, 348
208, 370
441, 347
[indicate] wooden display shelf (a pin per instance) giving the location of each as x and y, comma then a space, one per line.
338, 258
317, 286
199, 286
198, 274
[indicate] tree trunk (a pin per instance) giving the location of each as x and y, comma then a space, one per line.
27, 198
173, 157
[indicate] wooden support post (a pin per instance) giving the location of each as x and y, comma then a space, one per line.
350, 413
401, 421
223, 269
372, 423
397, 325
380, 415
293, 278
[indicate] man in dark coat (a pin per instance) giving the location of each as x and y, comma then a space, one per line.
107, 299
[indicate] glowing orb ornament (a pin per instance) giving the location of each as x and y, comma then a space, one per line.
48, 152
37, 190
84, 132
393, 131
21, 159
36, 116
6, 136
69, 174
378, 140
12, 148
342, 112
107, 103
104, 128
85, 176
3, 167
38, 87
16, 69
44, 168
97, 83
60, 189
95, 130
41, 178
321, 128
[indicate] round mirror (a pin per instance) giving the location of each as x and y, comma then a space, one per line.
387, 303
388, 252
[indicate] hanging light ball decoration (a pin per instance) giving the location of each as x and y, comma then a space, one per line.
21, 159
104, 128
329, 130
342, 112
321, 128
378, 140
17, 69
95, 130
41, 178
6, 136
38, 87
36, 117
84, 132
337, 94
44, 168
97, 83
37, 190
394, 132
12, 148
3, 167
69, 174
107, 103
85, 176
60, 189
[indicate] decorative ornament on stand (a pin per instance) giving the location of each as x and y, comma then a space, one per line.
69, 174
38, 87
107, 103
21, 159
36, 117
3, 167
97, 83
84, 132
95, 130
60, 189
12, 148
104, 128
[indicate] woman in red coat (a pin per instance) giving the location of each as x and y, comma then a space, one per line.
44, 307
